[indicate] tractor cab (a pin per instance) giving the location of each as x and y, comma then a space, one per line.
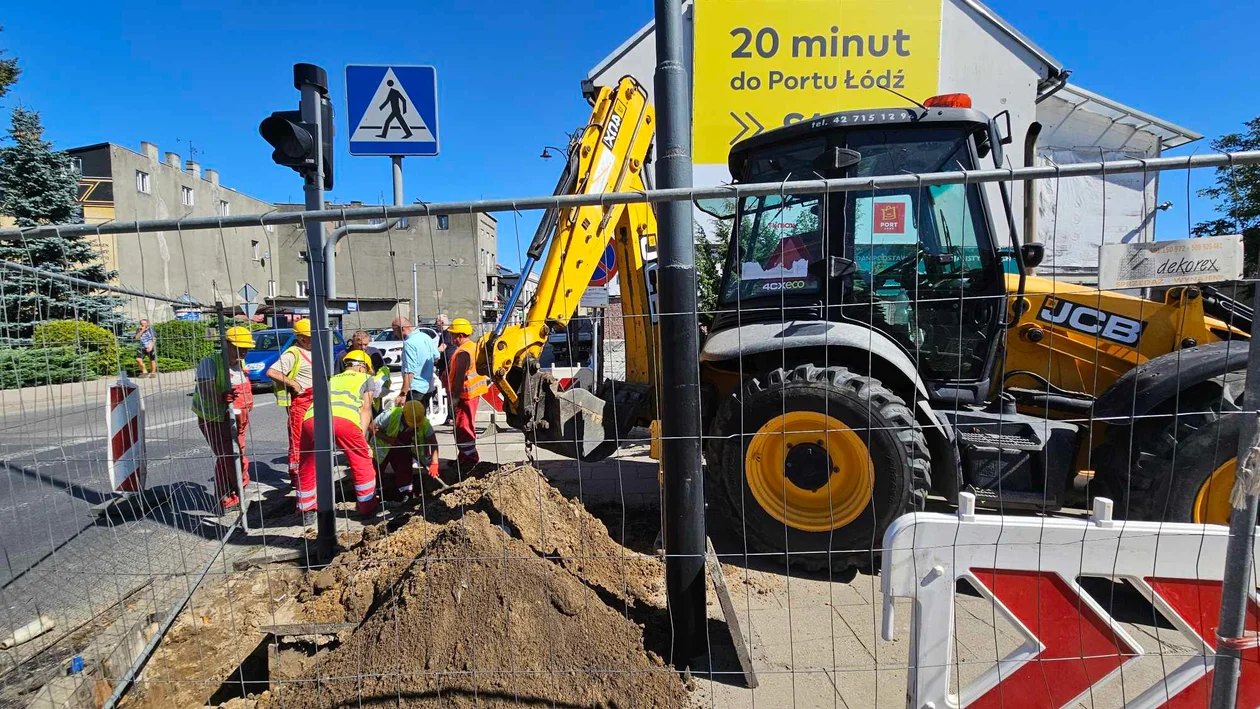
918, 264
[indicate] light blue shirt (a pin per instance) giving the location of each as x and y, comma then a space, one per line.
418, 356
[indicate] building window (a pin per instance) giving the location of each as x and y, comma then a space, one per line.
225, 209
142, 181
404, 223
300, 290
375, 220
302, 256
444, 221
271, 289
76, 166
253, 246
186, 196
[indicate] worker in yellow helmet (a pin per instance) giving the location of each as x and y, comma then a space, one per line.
222, 390
466, 387
350, 401
292, 376
403, 434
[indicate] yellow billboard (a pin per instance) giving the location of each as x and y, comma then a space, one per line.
761, 64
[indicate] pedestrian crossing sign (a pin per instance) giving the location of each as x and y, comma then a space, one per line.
392, 109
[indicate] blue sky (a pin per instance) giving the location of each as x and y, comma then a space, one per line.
509, 76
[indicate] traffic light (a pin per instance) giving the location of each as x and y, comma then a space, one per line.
294, 139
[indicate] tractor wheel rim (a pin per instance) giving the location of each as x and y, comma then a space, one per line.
806, 499
1211, 503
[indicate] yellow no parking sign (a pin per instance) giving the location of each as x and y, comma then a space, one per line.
761, 64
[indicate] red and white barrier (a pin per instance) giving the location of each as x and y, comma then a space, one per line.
1028, 568
125, 449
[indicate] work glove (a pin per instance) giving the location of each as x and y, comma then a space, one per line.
433, 470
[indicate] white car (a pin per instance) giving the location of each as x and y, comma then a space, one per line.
391, 349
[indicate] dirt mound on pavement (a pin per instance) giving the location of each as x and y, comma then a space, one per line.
521, 499
480, 618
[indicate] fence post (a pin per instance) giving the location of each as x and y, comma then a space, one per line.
680, 374
1236, 585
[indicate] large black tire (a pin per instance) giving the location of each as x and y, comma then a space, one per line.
1178, 479
1134, 461
897, 448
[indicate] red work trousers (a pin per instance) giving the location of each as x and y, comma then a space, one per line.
219, 435
349, 438
399, 460
297, 409
466, 432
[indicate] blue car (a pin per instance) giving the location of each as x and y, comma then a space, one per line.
268, 344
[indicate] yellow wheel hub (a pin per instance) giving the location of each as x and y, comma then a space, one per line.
809, 471
1211, 504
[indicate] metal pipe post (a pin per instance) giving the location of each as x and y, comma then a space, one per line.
680, 374
1237, 584
415, 292
398, 182
313, 82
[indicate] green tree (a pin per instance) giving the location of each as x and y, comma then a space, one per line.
9, 71
710, 266
38, 187
1237, 194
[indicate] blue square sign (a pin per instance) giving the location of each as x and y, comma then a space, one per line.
392, 110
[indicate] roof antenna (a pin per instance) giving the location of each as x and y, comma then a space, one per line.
898, 93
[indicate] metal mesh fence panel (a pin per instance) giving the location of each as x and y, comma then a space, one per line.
939, 468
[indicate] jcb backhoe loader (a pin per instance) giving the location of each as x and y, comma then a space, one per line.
873, 347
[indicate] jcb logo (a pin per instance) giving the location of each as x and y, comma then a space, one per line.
1092, 321
614, 126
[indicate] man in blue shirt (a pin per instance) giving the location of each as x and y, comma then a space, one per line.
419, 354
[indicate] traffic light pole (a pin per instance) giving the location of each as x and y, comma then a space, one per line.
313, 82
685, 548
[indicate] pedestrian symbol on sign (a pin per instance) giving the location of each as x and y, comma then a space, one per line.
397, 107
392, 115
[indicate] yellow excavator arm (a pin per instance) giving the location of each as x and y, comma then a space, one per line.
607, 155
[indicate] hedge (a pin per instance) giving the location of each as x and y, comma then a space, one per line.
182, 340
42, 365
96, 345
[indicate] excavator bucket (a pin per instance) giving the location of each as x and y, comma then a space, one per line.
586, 425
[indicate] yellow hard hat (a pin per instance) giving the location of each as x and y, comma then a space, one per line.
357, 356
302, 327
241, 337
413, 413
460, 326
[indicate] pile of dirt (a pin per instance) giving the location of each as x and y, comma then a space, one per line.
560, 529
518, 499
347, 588
481, 618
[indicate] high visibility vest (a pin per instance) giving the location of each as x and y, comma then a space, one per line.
474, 384
283, 398
344, 397
215, 409
387, 436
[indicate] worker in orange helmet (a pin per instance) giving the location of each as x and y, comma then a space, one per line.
222, 390
467, 387
350, 402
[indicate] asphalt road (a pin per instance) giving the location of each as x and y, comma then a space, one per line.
59, 560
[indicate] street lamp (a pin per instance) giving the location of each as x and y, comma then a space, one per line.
546, 154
